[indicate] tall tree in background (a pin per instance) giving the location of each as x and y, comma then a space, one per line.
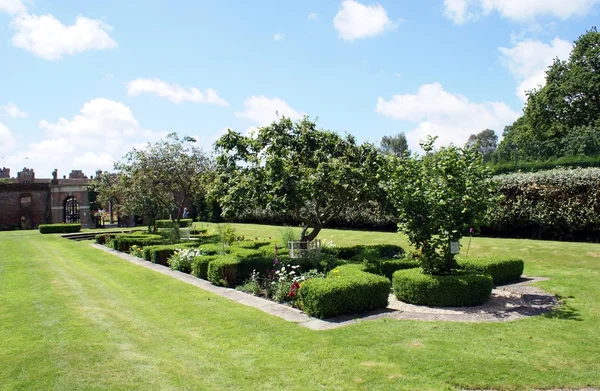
394, 145
485, 142
565, 112
160, 178
314, 175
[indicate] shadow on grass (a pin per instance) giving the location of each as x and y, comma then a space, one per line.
564, 312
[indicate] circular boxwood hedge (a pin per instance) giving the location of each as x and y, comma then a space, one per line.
463, 289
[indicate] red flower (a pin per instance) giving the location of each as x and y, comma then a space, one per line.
294, 289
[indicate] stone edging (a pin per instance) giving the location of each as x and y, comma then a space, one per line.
509, 302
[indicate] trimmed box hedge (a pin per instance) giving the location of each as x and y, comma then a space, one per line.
160, 253
465, 289
387, 267
169, 224
502, 270
346, 290
200, 265
123, 242
223, 270
63, 228
360, 253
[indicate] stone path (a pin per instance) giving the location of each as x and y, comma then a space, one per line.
508, 302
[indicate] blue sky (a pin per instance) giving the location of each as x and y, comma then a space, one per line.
82, 82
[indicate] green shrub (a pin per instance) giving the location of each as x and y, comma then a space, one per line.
169, 224
346, 290
268, 251
359, 253
502, 270
214, 249
244, 252
102, 238
63, 228
122, 242
160, 253
254, 245
200, 265
412, 286
223, 271
181, 260
387, 267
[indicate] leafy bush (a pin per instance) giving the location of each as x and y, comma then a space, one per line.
200, 265
169, 224
122, 242
387, 267
464, 289
214, 248
136, 251
560, 204
502, 271
226, 234
345, 290
160, 254
102, 238
254, 245
63, 228
182, 259
358, 253
223, 271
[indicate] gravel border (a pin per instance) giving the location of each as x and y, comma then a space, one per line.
507, 303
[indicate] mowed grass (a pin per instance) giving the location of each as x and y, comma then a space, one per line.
73, 317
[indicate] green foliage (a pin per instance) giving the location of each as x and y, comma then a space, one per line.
62, 228
463, 289
122, 242
251, 244
502, 271
485, 142
394, 145
359, 252
223, 271
562, 117
102, 238
136, 251
226, 234
313, 175
200, 265
214, 248
170, 223
343, 291
387, 267
160, 254
439, 197
182, 259
557, 204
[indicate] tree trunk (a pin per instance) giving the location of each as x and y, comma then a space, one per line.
309, 237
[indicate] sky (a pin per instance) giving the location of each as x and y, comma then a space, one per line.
84, 82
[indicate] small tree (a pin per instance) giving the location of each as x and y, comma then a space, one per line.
439, 196
394, 145
314, 175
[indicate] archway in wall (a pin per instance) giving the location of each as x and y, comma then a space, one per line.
71, 210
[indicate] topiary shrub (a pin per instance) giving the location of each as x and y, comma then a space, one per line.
200, 265
214, 249
160, 253
251, 244
502, 270
387, 267
223, 271
346, 290
102, 238
123, 242
169, 224
63, 228
414, 287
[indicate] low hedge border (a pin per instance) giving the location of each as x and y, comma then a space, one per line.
360, 253
200, 265
346, 290
160, 253
465, 289
169, 224
124, 242
222, 271
63, 228
387, 267
502, 270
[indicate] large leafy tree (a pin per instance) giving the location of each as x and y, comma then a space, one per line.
485, 142
559, 116
394, 145
314, 175
439, 196
160, 179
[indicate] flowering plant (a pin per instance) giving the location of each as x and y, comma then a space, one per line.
182, 259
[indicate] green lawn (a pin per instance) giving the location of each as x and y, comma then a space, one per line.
73, 317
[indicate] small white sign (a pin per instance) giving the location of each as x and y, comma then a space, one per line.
454, 248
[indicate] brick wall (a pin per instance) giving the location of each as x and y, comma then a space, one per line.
24, 205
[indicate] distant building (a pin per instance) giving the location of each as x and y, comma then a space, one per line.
27, 201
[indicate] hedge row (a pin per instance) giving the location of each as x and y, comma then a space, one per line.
346, 290
502, 271
560, 204
63, 228
360, 253
169, 223
123, 242
412, 286
387, 267
162, 252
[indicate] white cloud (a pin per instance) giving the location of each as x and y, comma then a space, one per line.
46, 37
461, 11
263, 110
8, 141
12, 7
451, 117
100, 134
13, 110
277, 36
528, 61
312, 16
355, 20
174, 92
